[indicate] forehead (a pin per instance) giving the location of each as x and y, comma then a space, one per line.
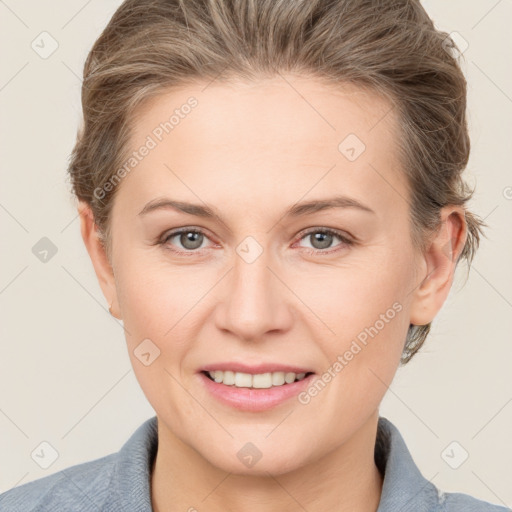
273, 111
287, 133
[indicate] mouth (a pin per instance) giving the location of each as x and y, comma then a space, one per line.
254, 392
255, 381
255, 387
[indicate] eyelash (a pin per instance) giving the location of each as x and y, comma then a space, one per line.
346, 242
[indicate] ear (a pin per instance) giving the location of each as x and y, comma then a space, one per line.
438, 266
96, 250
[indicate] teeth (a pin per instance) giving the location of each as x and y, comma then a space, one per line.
258, 381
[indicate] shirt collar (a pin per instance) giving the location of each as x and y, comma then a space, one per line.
404, 488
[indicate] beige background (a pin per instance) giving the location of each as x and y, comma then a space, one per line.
65, 375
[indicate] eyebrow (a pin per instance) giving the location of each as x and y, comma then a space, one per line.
297, 210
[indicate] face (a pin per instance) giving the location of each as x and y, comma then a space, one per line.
251, 281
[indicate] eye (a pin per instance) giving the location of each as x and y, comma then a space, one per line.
321, 239
190, 239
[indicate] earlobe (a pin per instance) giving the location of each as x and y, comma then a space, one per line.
440, 263
99, 259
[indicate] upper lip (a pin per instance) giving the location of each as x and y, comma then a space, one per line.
254, 369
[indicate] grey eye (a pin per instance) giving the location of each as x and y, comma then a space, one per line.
321, 240
188, 238
191, 239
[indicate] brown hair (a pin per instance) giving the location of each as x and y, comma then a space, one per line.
389, 46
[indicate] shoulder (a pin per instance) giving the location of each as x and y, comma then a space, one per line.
405, 487
116, 482
459, 502
82, 488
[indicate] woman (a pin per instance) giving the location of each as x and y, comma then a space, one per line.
271, 196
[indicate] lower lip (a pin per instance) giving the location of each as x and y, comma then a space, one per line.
251, 399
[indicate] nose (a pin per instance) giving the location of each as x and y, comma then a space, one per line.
255, 301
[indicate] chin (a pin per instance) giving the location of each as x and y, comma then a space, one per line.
251, 461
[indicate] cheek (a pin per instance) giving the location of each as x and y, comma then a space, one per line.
362, 361
345, 301
364, 313
162, 304
155, 298
156, 308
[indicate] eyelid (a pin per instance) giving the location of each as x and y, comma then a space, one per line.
171, 233
346, 238
324, 229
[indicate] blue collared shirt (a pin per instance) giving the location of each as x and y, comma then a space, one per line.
120, 482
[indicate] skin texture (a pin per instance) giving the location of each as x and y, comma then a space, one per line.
252, 150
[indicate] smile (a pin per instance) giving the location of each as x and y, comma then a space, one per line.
256, 381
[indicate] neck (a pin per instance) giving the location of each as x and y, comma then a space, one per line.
346, 479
